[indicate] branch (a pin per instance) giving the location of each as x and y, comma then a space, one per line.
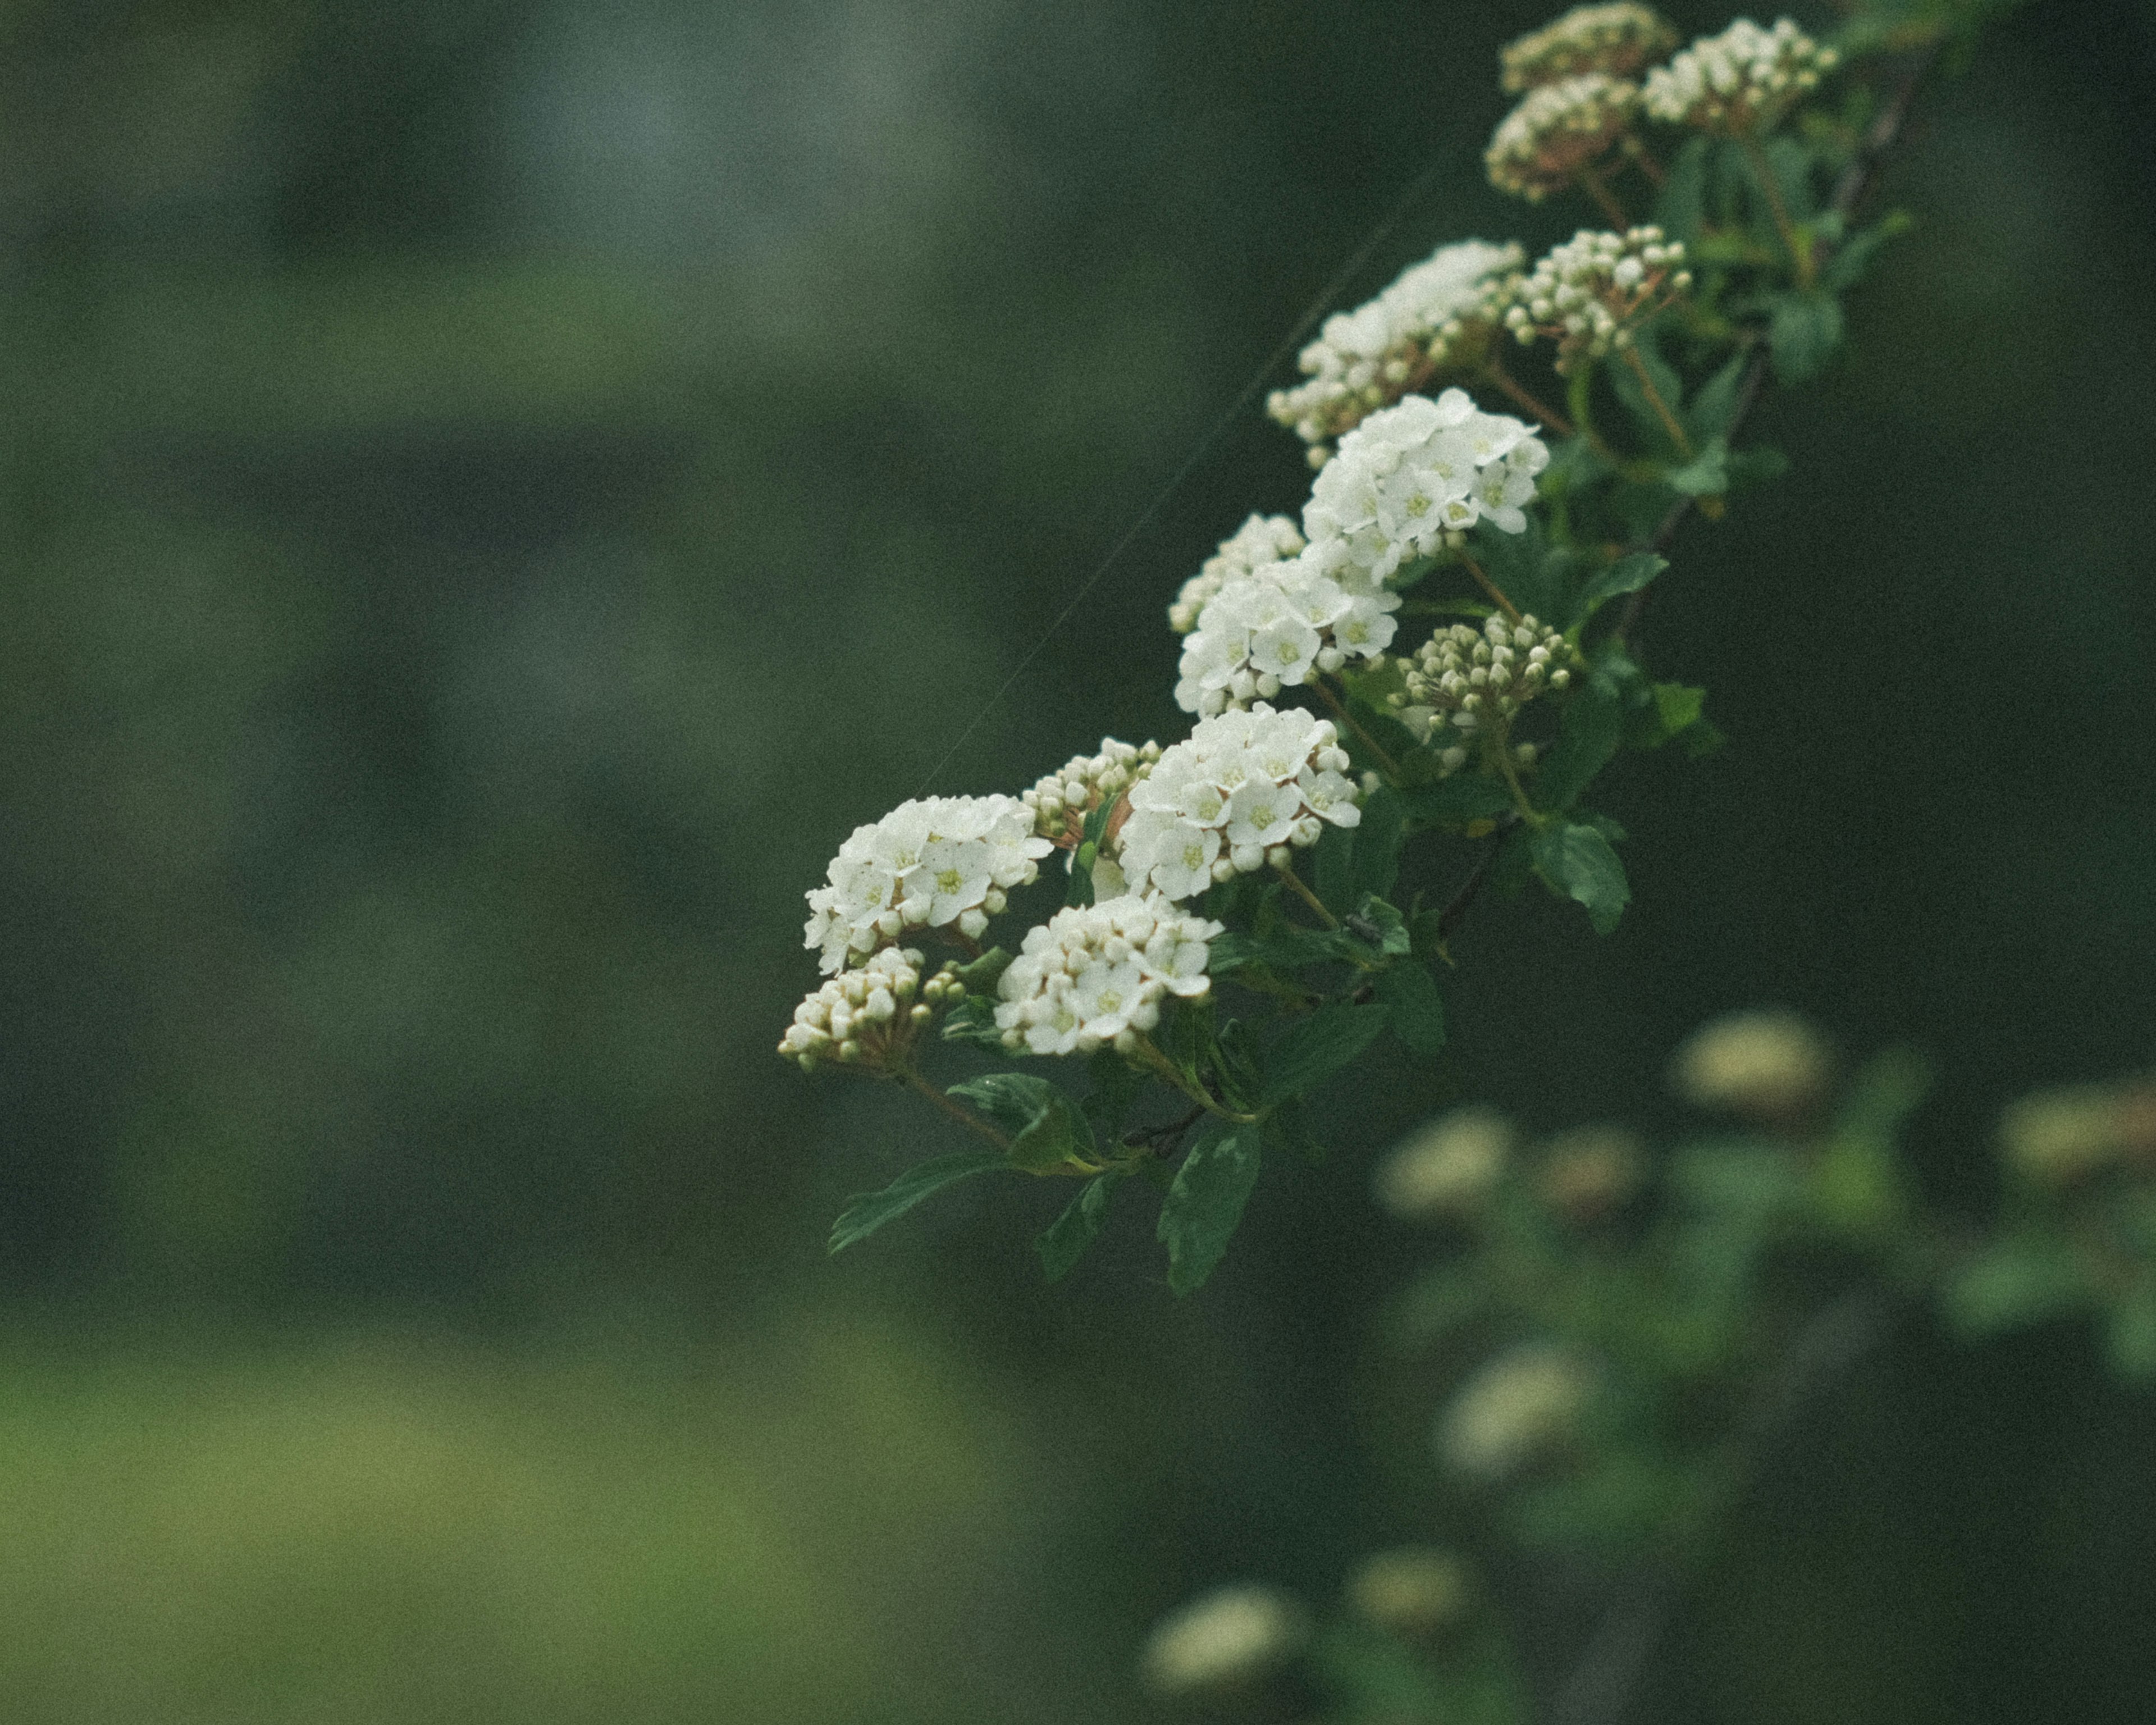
1849, 191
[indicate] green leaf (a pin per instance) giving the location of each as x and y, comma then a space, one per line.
1626, 575
1284, 948
1853, 258
1202, 1206
1755, 466
1670, 710
1592, 732
2022, 1279
1707, 475
2130, 1337
1064, 1241
1708, 416
973, 1019
1316, 1047
1378, 839
868, 1212
1803, 330
1416, 1010
1681, 206
1382, 926
984, 972
1079, 889
1458, 801
1332, 868
1048, 1130
1633, 393
1115, 1084
1577, 863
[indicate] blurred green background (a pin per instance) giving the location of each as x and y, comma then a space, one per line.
494, 492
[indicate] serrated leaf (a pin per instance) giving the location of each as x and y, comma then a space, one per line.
1204, 1204
868, 1211
1803, 330
1589, 736
1414, 1009
1382, 926
1048, 1130
1577, 863
1064, 1241
1626, 575
1316, 1047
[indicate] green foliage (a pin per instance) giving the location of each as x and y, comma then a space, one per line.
1049, 1131
1803, 330
1064, 1241
1205, 1202
1416, 1012
869, 1212
1315, 1048
1577, 863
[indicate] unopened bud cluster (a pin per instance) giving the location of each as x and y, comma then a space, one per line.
1589, 294
869, 1015
935, 862
1259, 543
2058, 1136
1615, 39
1061, 801
1560, 130
1738, 84
1094, 975
1438, 317
1236, 795
1771, 1066
1446, 1170
1477, 680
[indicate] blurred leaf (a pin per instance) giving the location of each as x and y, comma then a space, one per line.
1316, 1047
2130, 1337
869, 1211
1457, 801
1854, 257
1202, 1206
1064, 1241
1803, 330
1681, 205
1744, 1178
1577, 863
2025, 1279
1415, 1010
1707, 475
1708, 415
1672, 710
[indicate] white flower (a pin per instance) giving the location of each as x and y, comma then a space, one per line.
1617, 39
1226, 1639
1408, 480
1095, 974
1061, 800
1434, 316
1770, 1066
1739, 83
938, 862
1557, 132
1447, 1168
1259, 543
1243, 784
1517, 1410
1272, 628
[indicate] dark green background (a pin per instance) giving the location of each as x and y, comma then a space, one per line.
494, 492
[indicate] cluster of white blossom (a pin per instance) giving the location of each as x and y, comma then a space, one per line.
936, 862
1260, 542
1062, 799
1435, 317
1741, 82
1617, 39
1589, 292
1225, 1642
1520, 1409
1477, 680
1560, 130
1240, 790
864, 1014
1093, 975
1273, 628
1410, 480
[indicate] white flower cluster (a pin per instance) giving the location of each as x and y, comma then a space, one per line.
1617, 39
1409, 480
1559, 130
1226, 1641
1270, 628
1061, 800
936, 862
1478, 679
1260, 542
1434, 317
1519, 1410
1094, 975
1588, 293
1741, 82
864, 1014
1242, 787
